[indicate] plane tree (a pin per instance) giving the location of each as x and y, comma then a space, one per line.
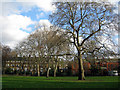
84, 20
44, 46
56, 44
33, 48
60, 46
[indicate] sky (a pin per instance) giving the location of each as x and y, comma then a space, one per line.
18, 18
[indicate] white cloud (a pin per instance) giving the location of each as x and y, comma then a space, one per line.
10, 8
108, 44
10, 27
12, 24
46, 5
45, 22
18, 6
113, 1
13, 6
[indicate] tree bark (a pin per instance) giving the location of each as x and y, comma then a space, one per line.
38, 69
48, 72
81, 69
55, 70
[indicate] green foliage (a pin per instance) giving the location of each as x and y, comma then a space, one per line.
28, 72
21, 72
51, 72
15, 72
69, 70
8, 71
95, 70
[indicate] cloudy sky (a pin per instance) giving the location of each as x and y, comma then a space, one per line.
19, 17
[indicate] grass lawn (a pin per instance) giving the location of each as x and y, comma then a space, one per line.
59, 82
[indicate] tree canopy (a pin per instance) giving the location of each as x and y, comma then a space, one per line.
85, 21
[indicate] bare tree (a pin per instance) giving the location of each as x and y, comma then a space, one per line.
57, 43
31, 47
61, 47
83, 20
6, 50
47, 43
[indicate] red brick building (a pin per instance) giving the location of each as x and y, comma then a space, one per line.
101, 65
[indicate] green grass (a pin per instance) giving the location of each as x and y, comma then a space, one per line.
59, 82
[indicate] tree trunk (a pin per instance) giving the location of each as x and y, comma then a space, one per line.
3, 71
48, 71
38, 69
55, 70
3, 67
81, 69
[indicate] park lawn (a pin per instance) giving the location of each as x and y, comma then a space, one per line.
59, 82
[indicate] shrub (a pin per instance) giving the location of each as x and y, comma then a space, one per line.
51, 73
8, 71
15, 72
28, 72
95, 71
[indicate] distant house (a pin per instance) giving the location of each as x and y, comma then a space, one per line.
31, 65
106, 65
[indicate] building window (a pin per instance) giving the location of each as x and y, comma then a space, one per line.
111, 66
13, 69
17, 68
25, 69
116, 67
17, 65
66, 67
104, 65
41, 70
74, 66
